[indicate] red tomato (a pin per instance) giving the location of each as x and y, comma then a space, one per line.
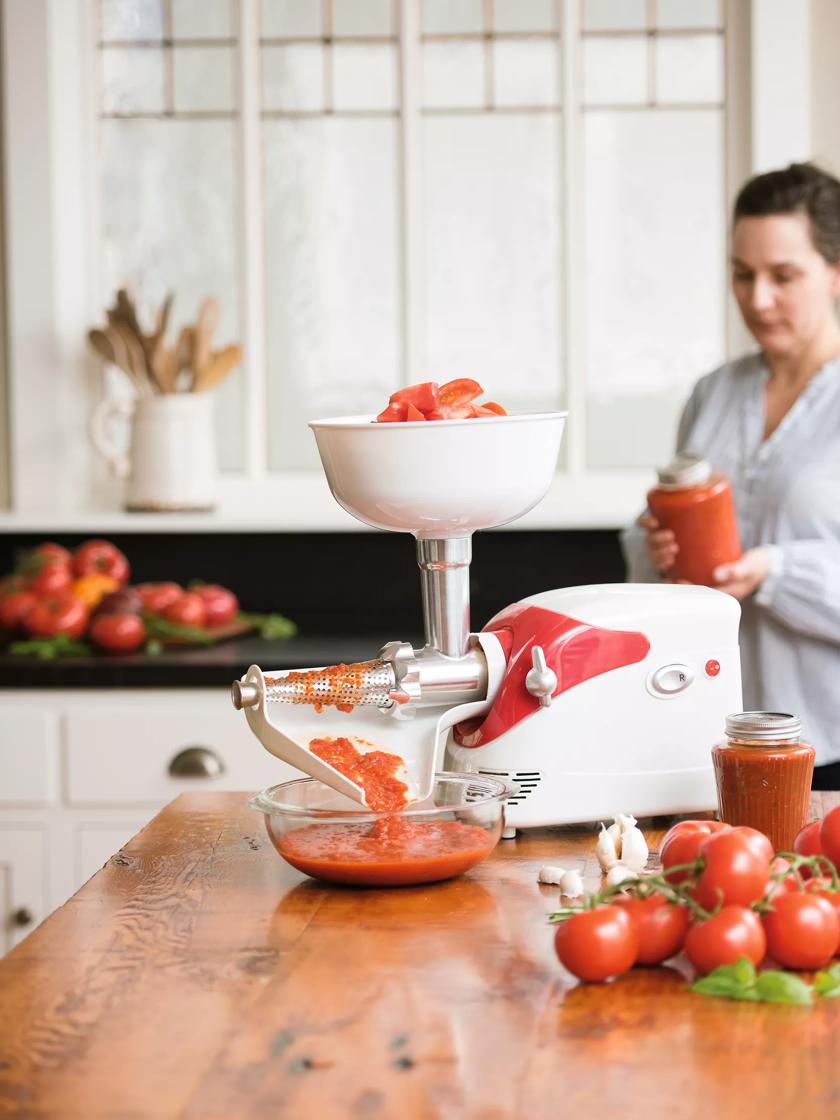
49, 577
394, 414
802, 930
822, 886
734, 932
681, 842
220, 605
660, 924
455, 411
424, 397
460, 391
493, 407
157, 597
103, 557
61, 613
14, 606
118, 633
757, 841
188, 610
413, 413
54, 553
830, 835
596, 944
779, 866
733, 871
808, 843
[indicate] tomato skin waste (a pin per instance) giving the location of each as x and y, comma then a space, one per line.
734, 932
597, 944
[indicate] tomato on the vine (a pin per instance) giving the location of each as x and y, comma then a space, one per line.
802, 930
661, 926
735, 932
733, 870
681, 843
822, 886
597, 944
807, 843
780, 877
830, 835
757, 841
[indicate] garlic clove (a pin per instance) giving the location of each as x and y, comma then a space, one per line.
619, 874
634, 849
606, 850
615, 832
553, 875
572, 884
625, 821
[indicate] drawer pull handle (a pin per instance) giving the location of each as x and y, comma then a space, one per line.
196, 762
23, 916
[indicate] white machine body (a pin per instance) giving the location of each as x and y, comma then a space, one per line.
635, 737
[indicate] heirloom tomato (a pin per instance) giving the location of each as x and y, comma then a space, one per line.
158, 596
14, 606
188, 610
220, 605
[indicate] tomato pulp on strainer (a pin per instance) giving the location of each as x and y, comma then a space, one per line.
374, 771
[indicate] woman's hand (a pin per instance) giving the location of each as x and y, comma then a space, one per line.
661, 544
744, 576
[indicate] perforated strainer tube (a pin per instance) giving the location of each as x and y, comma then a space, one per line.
366, 683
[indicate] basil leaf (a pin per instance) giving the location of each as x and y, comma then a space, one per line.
782, 987
732, 980
827, 982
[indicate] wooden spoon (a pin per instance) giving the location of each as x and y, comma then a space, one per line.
220, 364
205, 325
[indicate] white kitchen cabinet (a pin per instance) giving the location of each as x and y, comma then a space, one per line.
83, 770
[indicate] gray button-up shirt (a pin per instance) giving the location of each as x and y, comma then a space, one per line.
787, 498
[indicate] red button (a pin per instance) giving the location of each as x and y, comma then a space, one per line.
712, 668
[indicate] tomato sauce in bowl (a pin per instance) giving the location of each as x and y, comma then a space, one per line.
327, 836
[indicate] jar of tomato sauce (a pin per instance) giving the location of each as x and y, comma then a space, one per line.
763, 772
695, 503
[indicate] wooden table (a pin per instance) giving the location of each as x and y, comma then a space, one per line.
197, 975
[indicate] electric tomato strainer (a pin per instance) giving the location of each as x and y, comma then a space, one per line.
587, 700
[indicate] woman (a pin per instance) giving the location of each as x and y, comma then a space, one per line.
771, 422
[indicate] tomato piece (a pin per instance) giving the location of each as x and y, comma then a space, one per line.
808, 843
456, 411
734, 871
61, 613
734, 932
830, 835
495, 408
101, 556
802, 930
118, 633
461, 390
596, 944
424, 396
681, 843
413, 413
220, 605
393, 414
661, 926
188, 610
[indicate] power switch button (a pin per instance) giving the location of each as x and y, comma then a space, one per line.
671, 679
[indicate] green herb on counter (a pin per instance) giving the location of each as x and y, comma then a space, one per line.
270, 626
154, 647
827, 982
157, 627
742, 981
49, 648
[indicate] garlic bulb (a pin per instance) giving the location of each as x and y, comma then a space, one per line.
606, 850
552, 875
634, 849
571, 884
619, 874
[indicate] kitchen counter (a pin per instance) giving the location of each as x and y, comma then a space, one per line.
197, 975
205, 666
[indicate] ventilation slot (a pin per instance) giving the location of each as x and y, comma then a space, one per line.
525, 781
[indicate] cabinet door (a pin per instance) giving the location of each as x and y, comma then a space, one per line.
22, 895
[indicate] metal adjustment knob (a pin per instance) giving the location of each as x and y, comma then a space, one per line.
196, 762
23, 916
244, 695
540, 681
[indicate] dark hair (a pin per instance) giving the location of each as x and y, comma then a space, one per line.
801, 188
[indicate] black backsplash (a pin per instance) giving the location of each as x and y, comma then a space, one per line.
354, 582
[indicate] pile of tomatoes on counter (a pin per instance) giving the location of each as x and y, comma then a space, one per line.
725, 899
85, 594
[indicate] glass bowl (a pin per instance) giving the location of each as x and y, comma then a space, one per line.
328, 836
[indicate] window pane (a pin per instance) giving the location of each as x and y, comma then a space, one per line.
362, 17
132, 80
526, 71
615, 71
170, 223
132, 19
492, 213
655, 286
203, 78
524, 15
286, 18
332, 273
614, 15
453, 75
689, 68
452, 15
293, 77
364, 76
688, 13
202, 19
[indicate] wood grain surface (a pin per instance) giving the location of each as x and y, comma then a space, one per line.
198, 976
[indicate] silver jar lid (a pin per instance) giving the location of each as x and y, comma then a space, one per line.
763, 725
684, 470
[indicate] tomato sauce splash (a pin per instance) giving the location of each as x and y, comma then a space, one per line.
374, 771
389, 852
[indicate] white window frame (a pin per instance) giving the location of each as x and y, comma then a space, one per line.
52, 281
